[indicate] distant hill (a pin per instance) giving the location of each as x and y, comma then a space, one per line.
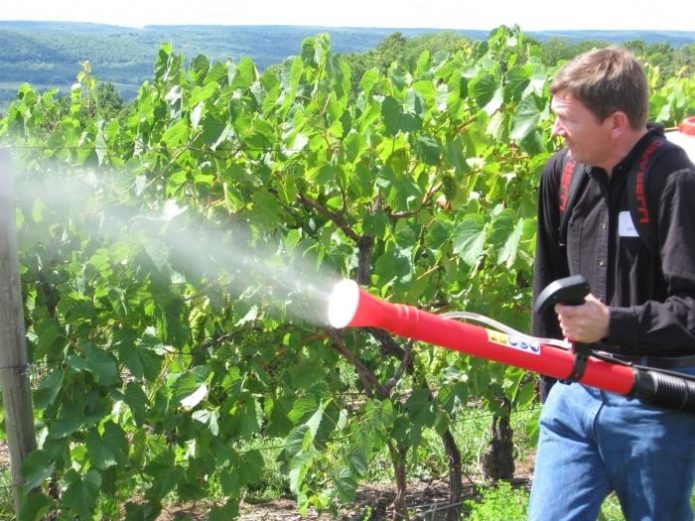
48, 54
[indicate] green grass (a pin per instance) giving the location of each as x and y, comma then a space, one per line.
497, 502
504, 502
7, 512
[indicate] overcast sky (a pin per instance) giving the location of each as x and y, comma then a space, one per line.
442, 14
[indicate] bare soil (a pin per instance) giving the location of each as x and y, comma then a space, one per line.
426, 502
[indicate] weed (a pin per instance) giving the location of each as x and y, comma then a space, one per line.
500, 501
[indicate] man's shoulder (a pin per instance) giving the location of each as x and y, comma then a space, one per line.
660, 154
556, 163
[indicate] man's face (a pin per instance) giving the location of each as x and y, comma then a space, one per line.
587, 138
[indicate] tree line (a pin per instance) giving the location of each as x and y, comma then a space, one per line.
52, 59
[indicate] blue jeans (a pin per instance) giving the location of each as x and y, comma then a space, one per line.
593, 442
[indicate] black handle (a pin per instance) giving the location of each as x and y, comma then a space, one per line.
570, 290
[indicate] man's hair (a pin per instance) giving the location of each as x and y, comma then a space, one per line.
605, 81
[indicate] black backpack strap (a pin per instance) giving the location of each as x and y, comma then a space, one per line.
644, 190
571, 184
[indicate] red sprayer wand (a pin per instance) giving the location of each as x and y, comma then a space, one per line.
352, 306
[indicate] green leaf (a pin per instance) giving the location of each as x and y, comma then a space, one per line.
176, 135
248, 419
199, 68
518, 78
229, 480
36, 468
197, 396
345, 483
496, 102
197, 114
315, 421
427, 150
469, 240
438, 234
81, 493
100, 453
483, 89
303, 407
266, 210
391, 115
115, 437
245, 74
188, 383
35, 506
49, 388
526, 118
296, 440
455, 153
369, 79
140, 360
251, 467
51, 338
299, 467
421, 407
98, 362
358, 461
137, 401
508, 253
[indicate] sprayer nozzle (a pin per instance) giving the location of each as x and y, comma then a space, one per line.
342, 303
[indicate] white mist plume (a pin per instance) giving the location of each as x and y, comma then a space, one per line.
170, 233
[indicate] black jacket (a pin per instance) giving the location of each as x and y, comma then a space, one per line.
651, 296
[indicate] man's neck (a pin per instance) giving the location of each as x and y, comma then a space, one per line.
622, 148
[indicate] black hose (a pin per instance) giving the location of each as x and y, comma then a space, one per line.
664, 390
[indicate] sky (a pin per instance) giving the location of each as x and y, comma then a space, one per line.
530, 15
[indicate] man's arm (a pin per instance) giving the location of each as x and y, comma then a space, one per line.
550, 261
656, 328
660, 327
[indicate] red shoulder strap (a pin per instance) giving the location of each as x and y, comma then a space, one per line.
643, 192
565, 182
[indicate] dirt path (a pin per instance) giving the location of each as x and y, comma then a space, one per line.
373, 503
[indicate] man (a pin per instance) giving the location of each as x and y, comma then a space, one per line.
641, 307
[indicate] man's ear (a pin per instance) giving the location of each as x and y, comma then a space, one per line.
618, 123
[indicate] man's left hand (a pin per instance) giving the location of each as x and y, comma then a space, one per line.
586, 323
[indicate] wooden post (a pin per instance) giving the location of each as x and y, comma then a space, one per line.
14, 367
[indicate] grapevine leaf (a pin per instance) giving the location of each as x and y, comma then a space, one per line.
35, 507
81, 493
36, 468
469, 240
526, 118
98, 362
99, 451
49, 388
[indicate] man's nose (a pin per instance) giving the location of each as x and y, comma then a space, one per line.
558, 129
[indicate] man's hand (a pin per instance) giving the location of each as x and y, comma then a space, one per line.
586, 323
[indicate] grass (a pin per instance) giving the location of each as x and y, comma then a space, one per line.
7, 512
497, 502
274, 484
504, 502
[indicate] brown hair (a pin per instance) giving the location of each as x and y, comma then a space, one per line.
605, 81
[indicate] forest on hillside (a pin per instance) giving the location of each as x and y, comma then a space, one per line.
48, 55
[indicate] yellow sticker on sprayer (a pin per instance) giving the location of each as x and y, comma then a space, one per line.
526, 345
